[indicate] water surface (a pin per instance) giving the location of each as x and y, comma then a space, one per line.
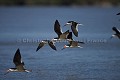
24, 27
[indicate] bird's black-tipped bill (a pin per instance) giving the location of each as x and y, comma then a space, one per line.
6, 73
62, 48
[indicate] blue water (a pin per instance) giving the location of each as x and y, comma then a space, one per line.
24, 27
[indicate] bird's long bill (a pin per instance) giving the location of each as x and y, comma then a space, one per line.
63, 48
110, 37
6, 72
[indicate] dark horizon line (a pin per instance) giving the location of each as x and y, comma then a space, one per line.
60, 4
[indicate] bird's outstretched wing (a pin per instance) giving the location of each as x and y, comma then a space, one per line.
74, 28
70, 36
41, 44
17, 58
57, 28
51, 44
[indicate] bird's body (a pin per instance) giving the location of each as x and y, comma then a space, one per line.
72, 43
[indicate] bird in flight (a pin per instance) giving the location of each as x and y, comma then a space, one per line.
59, 32
19, 65
74, 27
43, 42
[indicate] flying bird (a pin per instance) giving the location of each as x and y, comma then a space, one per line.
43, 42
59, 32
74, 27
72, 43
19, 65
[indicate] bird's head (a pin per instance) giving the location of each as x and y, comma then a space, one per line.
69, 23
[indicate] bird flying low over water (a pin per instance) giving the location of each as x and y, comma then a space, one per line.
74, 27
59, 32
72, 43
117, 32
19, 65
43, 42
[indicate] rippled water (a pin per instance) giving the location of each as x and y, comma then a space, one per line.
24, 27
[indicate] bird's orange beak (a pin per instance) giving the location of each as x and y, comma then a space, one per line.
64, 46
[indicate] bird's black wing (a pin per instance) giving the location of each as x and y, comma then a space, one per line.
74, 28
118, 13
51, 44
70, 36
41, 44
17, 58
57, 28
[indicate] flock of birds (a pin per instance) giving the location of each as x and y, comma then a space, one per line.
67, 35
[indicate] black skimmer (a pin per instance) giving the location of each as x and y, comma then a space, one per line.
118, 13
59, 32
43, 42
74, 27
72, 43
19, 65
117, 34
